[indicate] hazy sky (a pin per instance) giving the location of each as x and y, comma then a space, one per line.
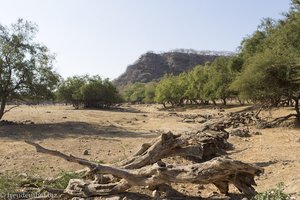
104, 36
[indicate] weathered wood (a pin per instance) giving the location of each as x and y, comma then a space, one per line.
276, 122
199, 146
219, 171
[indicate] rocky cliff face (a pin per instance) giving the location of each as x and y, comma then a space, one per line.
152, 66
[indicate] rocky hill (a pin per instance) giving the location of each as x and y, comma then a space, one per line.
152, 66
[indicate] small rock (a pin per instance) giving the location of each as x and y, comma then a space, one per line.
23, 175
240, 132
200, 187
298, 139
256, 133
293, 197
86, 152
201, 120
155, 194
285, 163
113, 198
189, 120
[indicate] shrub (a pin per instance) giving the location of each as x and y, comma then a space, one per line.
273, 194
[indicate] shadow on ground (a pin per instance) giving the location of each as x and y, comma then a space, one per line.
67, 130
111, 109
199, 107
137, 196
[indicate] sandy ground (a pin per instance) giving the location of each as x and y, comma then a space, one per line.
111, 136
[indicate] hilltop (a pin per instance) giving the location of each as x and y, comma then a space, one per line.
152, 66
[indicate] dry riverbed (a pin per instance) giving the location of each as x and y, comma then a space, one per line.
110, 136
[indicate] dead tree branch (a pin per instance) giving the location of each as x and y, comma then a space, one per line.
145, 168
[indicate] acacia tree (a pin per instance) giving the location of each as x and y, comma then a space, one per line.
220, 77
69, 90
26, 71
271, 70
150, 92
171, 89
90, 91
98, 93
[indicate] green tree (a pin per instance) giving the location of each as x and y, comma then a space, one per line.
138, 92
99, 93
91, 91
70, 90
220, 77
171, 89
150, 92
270, 72
26, 71
197, 78
111, 93
269, 79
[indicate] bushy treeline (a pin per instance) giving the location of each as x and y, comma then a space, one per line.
270, 62
266, 70
27, 74
89, 91
139, 93
201, 85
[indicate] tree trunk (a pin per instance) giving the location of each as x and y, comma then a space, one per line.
196, 101
297, 108
241, 102
198, 147
2, 108
145, 168
214, 102
224, 101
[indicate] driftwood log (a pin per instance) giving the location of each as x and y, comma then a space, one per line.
197, 147
146, 168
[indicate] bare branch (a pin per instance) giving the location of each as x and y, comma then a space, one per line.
11, 108
219, 171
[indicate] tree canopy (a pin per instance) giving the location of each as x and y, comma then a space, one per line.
90, 91
139, 92
26, 70
271, 70
266, 70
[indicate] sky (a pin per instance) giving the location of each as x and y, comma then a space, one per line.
105, 36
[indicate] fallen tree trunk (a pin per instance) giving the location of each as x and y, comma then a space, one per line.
197, 147
145, 168
276, 122
219, 171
